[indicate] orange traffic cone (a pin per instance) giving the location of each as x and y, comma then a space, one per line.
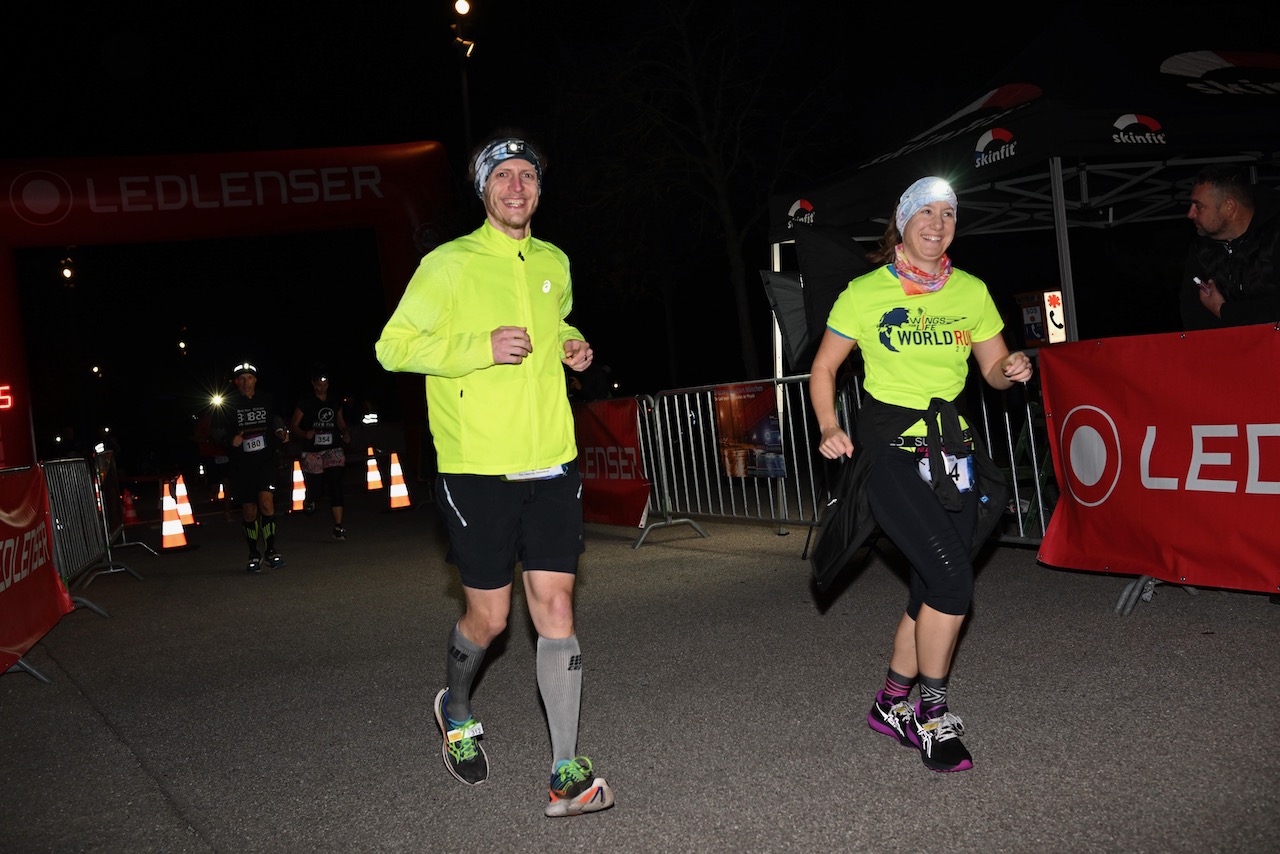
399, 492
173, 535
130, 512
184, 504
299, 486
373, 479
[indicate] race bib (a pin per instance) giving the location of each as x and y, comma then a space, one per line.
323, 440
538, 474
257, 443
959, 469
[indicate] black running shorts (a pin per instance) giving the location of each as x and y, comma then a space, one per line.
251, 475
493, 523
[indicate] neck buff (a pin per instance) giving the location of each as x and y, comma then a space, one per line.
917, 281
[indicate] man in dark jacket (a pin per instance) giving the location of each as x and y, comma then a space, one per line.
1232, 277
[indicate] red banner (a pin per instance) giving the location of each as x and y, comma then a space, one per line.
1167, 449
32, 595
401, 191
614, 488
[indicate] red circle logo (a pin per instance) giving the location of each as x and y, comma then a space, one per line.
1090, 446
40, 197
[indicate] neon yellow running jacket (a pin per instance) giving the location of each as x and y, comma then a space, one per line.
487, 418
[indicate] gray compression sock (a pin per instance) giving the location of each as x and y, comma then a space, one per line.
461, 664
560, 681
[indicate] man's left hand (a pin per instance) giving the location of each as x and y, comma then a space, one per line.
1212, 298
577, 354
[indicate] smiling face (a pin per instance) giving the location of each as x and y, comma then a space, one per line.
511, 197
927, 235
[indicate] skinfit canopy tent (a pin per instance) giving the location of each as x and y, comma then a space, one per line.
1097, 124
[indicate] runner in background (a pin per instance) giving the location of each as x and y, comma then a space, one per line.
255, 432
318, 421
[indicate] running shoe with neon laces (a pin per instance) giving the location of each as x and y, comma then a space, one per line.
939, 740
894, 719
274, 559
255, 565
575, 789
463, 755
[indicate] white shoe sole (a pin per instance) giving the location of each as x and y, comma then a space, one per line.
598, 797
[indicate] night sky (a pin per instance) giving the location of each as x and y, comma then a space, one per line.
830, 85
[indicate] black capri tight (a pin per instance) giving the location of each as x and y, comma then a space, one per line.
935, 540
332, 480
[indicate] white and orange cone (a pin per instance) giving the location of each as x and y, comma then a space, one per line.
173, 535
184, 503
373, 479
299, 487
130, 512
399, 492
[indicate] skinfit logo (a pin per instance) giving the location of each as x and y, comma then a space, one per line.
994, 145
40, 197
1222, 72
1132, 128
1091, 449
801, 211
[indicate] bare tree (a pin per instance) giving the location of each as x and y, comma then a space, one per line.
691, 125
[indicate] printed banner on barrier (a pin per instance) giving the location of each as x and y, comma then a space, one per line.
614, 488
32, 595
750, 438
1167, 449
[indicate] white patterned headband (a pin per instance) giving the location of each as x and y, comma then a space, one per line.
921, 193
499, 150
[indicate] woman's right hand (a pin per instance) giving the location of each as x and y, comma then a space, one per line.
835, 443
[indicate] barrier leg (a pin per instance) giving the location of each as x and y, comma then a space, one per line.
22, 665
81, 602
666, 523
128, 542
1131, 593
86, 578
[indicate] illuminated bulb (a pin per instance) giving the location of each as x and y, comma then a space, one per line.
462, 7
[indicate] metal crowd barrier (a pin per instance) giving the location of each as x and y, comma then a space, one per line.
1017, 437
651, 457
81, 550
682, 456
109, 500
683, 460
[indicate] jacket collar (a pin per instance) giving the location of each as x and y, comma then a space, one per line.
501, 243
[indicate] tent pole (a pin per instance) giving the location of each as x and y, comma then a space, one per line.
1064, 248
775, 253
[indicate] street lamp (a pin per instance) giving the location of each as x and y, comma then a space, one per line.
465, 47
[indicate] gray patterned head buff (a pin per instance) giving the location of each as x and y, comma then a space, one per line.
919, 194
496, 152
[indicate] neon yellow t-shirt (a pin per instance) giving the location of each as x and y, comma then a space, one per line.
915, 348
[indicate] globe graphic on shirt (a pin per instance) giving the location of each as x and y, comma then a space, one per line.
892, 319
